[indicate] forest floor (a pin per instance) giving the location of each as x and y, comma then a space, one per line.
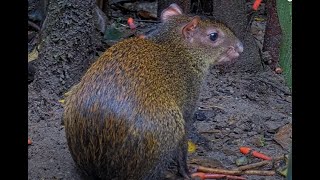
235, 110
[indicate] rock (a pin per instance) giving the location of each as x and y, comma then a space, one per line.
272, 126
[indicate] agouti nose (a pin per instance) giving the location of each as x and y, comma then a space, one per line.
239, 47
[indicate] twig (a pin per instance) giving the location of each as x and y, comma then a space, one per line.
204, 176
259, 164
233, 172
217, 171
35, 26
147, 21
260, 173
210, 108
254, 165
123, 25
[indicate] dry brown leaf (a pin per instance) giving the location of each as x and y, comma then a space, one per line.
146, 15
283, 136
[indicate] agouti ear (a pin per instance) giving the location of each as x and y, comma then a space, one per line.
172, 10
189, 29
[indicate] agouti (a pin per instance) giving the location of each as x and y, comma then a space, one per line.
127, 117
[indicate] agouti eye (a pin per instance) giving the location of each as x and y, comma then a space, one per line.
213, 36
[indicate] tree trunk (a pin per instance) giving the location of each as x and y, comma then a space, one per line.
37, 10
233, 14
69, 41
104, 6
201, 6
273, 34
184, 4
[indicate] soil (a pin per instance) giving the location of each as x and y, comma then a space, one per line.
235, 109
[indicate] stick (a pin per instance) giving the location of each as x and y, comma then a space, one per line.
258, 164
34, 25
147, 21
210, 108
217, 171
254, 165
204, 176
260, 173
233, 172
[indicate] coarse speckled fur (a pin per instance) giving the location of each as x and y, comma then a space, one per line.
127, 117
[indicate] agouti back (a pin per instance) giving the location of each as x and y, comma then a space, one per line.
127, 117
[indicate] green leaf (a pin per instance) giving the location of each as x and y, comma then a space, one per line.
112, 33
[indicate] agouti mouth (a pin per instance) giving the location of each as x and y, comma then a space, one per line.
230, 55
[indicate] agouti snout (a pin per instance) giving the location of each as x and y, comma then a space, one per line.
127, 117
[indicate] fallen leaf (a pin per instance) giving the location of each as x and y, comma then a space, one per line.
67, 93
116, 32
29, 142
283, 136
61, 101
283, 171
146, 15
242, 161
259, 19
191, 147
33, 55
112, 33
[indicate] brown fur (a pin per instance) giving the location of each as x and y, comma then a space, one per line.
127, 117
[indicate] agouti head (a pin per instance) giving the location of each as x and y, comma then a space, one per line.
210, 41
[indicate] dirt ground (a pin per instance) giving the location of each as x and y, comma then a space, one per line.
235, 109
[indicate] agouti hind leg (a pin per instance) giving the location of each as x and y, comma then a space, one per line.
183, 170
